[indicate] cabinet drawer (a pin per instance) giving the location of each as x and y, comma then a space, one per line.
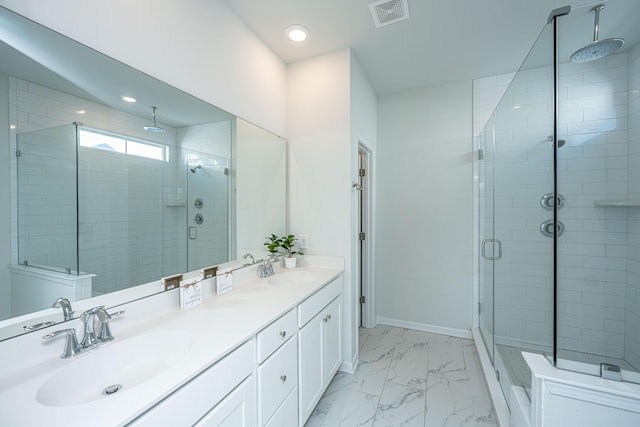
287, 413
316, 302
277, 377
274, 335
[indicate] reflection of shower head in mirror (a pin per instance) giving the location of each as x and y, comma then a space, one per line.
154, 127
194, 169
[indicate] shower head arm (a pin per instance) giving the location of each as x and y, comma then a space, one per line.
596, 25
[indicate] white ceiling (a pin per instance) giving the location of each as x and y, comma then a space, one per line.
442, 41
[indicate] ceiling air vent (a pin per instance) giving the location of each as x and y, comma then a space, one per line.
387, 12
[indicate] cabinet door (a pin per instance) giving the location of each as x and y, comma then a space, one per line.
310, 377
332, 339
277, 377
238, 409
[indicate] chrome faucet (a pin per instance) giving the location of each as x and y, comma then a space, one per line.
247, 256
67, 311
92, 337
266, 268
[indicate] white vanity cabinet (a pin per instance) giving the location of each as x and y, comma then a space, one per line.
275, 379
223, 395
278, 372
319, 345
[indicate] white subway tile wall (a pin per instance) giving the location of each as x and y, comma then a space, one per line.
598, 255
132, 209
593, 166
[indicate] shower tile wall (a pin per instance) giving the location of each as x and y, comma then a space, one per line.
121, 218
154, 206
599, 295
593, 166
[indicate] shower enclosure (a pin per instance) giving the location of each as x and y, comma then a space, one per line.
559, 204
127, 210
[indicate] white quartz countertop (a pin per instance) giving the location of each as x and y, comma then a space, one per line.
218, 325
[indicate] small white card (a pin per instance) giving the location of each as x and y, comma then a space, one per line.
224, 281
190, 294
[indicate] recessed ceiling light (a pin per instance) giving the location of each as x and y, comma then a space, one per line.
297, 33
128, 99
12, 127
81, 111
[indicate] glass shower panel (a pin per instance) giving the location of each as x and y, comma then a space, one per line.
47, 211
523, 183
598, 260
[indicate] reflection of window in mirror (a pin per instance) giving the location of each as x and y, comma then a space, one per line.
121, 144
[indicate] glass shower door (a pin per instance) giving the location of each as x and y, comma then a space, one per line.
486, 234
518, 225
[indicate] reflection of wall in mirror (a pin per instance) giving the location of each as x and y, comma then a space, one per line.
260, 187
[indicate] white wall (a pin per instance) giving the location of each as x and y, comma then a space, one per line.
424, 209
199, 46
330, 103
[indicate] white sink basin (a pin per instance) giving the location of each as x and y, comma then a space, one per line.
115, 368
291, 278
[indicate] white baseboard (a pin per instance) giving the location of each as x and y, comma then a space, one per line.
425, 327
349, 366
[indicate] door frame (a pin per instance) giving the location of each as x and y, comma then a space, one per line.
365, 256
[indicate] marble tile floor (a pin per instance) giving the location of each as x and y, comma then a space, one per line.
408, 378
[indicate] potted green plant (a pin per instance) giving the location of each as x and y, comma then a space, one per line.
287, 243
272, 244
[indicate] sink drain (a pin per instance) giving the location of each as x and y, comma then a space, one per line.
112, 389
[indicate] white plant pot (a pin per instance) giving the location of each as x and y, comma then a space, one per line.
290, 262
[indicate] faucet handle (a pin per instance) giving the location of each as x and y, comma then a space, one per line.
104, 332
71, 347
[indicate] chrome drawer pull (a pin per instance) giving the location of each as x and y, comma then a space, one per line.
283, 334
283, 378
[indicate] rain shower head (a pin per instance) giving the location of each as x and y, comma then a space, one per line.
194, 169
154, 128
599, 48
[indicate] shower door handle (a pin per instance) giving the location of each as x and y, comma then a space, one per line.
496, 242
193, 233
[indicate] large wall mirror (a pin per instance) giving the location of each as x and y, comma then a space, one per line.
102, 194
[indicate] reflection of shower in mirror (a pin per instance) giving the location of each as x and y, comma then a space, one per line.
195, 168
